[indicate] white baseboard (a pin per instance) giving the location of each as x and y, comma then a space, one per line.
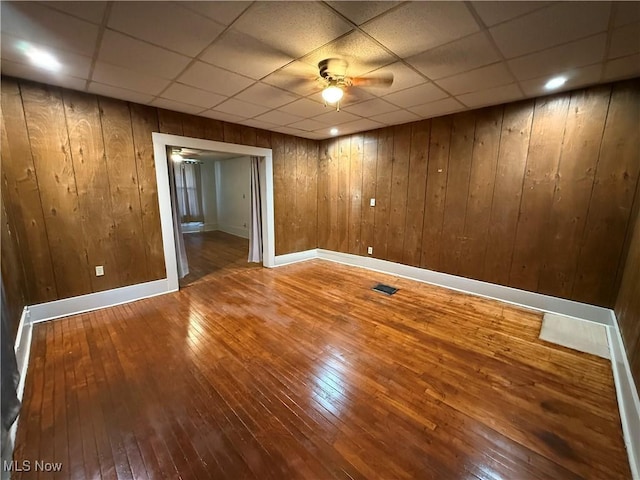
94, 301
628, 401
535, 301
296, 257
234, 230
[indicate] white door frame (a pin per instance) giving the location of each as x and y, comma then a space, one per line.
160, 143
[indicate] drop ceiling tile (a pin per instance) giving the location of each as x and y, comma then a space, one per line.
418, 26
416, 95
192, 96
560, 23
119, 93
165, 24
493, 13
333, 118
125, 78
91, 11
297, 77
478, 79
21, 70
440, 107
624, 67
279, 118
266, 95
625, 13
358, 126
220, 11
403, 77
240, 108
360, 12
295, 28
308, 125
118, 49
361, 53
44, 26
71, 64
226, 117
291, 131
492, 96
243, 54
556, 60
304, 108
214, 79
176, 106
459, 56
249, 122
576, 78
370, 108
625, 41
396, 118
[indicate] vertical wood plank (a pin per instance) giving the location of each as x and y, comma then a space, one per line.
170, 122
213, 130
418, 162
323, 194
263, 138
399, 187
144, 121
232, 133
23, 200
612, 197
507, 192
481, 185
356, 156
279, 192
344, 151
547, 133
125, 194
193, 126
369, 183
384, 173
248, 136
332, 197
437, 172
291, 219
299, 162
455, 205
582, 139
92, 181
49, 138
312, 195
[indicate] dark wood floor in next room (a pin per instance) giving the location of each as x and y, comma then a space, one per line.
305, 372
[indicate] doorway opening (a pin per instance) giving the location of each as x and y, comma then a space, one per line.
169, 218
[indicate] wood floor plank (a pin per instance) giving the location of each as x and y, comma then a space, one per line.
305, 372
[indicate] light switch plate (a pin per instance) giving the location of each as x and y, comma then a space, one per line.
372, 202
370, 250
99, 271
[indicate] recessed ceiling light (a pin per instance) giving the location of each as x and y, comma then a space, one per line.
333, 131
40, 58
554, 83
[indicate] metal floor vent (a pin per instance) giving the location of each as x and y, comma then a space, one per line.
386, 289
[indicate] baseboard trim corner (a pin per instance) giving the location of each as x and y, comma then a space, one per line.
295, 257
627, 394
43, 312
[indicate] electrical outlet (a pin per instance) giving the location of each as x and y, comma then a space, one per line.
99, 271
370, 250
372, 202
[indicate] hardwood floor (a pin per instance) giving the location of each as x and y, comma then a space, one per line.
215, 253
304, 372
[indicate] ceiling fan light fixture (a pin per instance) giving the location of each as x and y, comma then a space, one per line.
332, 94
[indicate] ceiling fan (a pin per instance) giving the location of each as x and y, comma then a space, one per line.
335, 81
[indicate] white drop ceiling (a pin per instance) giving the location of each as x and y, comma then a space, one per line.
255, 63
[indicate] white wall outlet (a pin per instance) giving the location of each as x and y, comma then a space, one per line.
99, 271
372, 202
370, 250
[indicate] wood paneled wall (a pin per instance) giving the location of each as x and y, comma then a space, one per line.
79, 176
535, 195
627, 305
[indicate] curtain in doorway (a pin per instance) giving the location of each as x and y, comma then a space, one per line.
10, 374
181, 252
255, 230
189, 191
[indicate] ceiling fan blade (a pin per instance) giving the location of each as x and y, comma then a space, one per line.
383, 80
